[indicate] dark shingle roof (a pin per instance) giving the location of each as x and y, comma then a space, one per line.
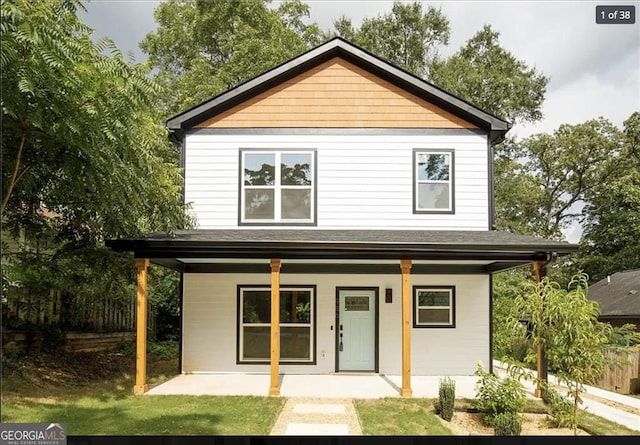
315, 244
618, 294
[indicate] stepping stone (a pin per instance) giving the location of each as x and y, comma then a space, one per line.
318, 408
317, 429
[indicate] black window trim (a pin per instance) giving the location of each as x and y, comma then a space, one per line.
414, 185
314, 188
314, 342
450, 288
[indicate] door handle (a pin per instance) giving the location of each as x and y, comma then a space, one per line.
340, 327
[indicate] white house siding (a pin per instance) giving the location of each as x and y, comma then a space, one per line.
210, 318
363, 181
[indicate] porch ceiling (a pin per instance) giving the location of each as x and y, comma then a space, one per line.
490, 251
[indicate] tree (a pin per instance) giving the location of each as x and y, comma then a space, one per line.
491, 78
542, 179
79, 138
565, 323
84, 156
611, 237
407, 36
202, 48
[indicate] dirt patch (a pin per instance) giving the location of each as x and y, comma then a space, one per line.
470, 424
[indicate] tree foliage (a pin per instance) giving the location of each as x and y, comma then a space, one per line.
611, 237
78, 136
565, 322
202, 48
84, 156
407, 36
490, 77
541, 179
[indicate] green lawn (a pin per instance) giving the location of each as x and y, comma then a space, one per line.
399, 417
92, 393
150, 415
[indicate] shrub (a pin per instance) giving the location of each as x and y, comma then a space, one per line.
165, 350
12, 359
496, 396
447, 393
561, 409
53, 337
507, 424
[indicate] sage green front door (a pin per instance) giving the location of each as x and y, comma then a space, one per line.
356, 330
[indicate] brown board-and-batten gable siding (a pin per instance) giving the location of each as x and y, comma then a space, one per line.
336, 94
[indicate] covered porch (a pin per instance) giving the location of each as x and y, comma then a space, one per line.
277, 252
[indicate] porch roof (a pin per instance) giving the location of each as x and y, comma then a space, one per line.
502, 249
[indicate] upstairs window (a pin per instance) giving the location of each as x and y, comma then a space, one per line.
433, 188
277, 187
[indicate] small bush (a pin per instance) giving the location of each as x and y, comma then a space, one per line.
496, 396
166, 350
127, 348
12, 359
447, 393
561, 409
53, 337
507, 424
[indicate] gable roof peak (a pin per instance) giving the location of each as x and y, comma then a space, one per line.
339, 47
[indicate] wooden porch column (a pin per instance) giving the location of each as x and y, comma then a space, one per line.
405, 267
537, 268
274, 389
141, 327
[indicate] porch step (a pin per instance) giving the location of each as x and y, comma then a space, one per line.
317, 417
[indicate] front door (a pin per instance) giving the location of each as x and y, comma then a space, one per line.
356, 330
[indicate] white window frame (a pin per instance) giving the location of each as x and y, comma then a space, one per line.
451, 307
417, 181
277, 187
310, 325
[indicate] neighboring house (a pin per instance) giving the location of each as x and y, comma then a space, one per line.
351, 200
619, 298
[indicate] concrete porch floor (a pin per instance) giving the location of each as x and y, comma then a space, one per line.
360, 386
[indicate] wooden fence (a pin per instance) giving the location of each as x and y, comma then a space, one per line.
95, 315
74, 341
622, 379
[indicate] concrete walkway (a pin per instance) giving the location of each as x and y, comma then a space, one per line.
317, 417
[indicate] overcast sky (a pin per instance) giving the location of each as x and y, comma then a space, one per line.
594, 69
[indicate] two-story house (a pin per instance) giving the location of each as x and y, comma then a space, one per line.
345, 212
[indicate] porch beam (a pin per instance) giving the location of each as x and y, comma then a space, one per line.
141, 387
405, 267
274, 388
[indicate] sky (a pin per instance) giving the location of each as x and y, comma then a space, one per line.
594, 69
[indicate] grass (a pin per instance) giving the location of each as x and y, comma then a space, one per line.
399, 417
153, 415
92, 394
411, 417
